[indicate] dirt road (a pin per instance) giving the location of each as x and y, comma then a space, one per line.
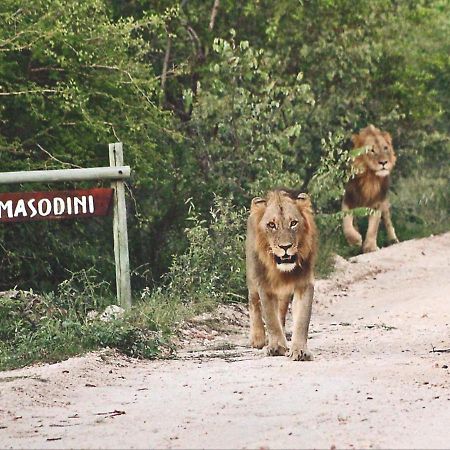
375, 381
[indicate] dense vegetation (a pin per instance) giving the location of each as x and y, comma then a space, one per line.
215, 102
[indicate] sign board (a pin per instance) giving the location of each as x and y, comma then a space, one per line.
55, 205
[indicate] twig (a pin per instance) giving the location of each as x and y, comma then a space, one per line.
32, 91
61, 425
166, 62
437, 350
102, 66
128, 74
47, 69
56, 159
236, 295
111, 413
112, 129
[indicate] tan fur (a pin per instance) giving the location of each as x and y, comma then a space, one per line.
280, 254
369, 187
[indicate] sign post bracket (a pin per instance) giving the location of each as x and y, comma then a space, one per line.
121, 254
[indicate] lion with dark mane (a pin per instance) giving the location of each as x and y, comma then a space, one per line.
369, 187
280, 254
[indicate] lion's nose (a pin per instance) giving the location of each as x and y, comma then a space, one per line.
285, 247
383, 163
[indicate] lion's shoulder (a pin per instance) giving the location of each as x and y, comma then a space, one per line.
365, 190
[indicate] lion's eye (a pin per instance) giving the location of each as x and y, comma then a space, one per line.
372, 149
271, 225
294, 223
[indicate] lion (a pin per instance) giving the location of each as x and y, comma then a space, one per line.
369, 187
280, 252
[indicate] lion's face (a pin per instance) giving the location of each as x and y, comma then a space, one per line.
379, 156
282, 227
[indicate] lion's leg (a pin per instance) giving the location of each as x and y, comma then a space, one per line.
283, 306
277, 340
351, 234
301, 312
257, 332
370, 243
386, 214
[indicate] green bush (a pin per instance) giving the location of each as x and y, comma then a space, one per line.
212, 269
421, 204
55, 326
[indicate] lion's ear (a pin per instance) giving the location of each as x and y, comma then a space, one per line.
257, 202
387, 137
357, 141
304, 199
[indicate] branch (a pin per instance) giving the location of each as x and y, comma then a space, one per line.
47, 69
166, 62
196, 43
128, 74
214, 11
101, 66
35, 91
194, 37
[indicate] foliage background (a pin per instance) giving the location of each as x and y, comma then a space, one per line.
215, 101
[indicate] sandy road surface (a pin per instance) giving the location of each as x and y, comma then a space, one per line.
374, 383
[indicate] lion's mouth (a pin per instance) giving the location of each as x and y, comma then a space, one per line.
286, 259
382, 172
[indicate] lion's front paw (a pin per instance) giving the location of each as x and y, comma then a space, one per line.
300, 354
370, 247
258, 340
277, 346
276, 350
354, 238
393, 241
